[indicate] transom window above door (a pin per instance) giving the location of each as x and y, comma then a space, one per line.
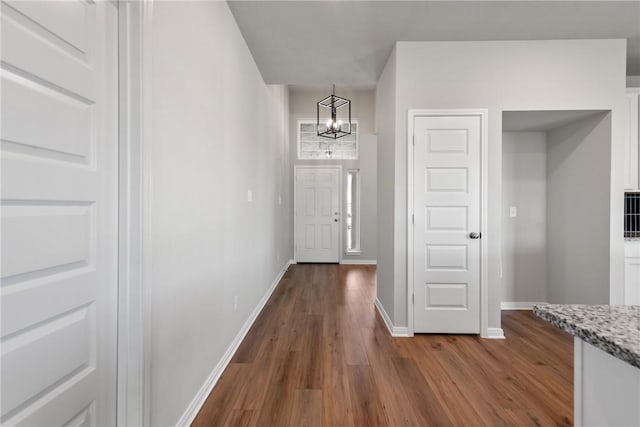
314, 147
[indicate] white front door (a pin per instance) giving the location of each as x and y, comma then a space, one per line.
317, 210
447, 217
59, 212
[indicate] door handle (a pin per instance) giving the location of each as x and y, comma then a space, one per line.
474, 235
336, 220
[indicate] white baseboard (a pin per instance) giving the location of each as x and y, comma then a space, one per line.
401, 331
384, 315
517, 305
292, 261
495, 334
196, 404
359, 261
395, 331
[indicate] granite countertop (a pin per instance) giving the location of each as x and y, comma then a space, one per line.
614, 329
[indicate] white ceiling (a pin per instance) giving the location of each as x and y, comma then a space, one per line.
348, 42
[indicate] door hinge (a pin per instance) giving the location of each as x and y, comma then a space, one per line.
413, 298
413, 219
414, 140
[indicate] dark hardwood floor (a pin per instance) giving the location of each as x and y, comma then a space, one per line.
320, 355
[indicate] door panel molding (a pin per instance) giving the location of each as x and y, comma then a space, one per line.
483, 116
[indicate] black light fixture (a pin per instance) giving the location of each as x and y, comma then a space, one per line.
333, 116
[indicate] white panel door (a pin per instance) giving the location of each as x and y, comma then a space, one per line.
59, 213
317, 209
446, 217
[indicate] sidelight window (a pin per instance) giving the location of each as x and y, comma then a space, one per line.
353, 211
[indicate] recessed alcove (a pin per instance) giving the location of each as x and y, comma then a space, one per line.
555, 206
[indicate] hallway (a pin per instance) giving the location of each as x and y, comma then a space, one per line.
319, 354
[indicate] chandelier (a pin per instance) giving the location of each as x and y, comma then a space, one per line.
333, 116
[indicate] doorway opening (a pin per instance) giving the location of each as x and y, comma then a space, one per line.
555, 207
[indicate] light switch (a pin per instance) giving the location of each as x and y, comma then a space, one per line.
249, 196
513, 211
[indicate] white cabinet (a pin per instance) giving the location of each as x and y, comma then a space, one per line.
632, 272
631, 141
606, 389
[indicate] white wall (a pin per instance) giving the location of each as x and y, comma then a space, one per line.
302, 103
386, 129
505, 75
524, 237
217, 131
578, 198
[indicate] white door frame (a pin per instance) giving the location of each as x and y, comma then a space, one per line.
484, 241
134, 213
295, 216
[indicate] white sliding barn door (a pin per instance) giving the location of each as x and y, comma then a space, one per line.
317, 210
447, 214
59, 212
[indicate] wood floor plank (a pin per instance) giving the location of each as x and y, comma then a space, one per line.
421, 398
458, 368
365, 399
242, 418
320, 354
355, 353
252, 393
278, 403
311, 365
335, 386
429, 354
388, 382
307, 409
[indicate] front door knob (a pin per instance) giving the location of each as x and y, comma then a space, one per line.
474, 235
